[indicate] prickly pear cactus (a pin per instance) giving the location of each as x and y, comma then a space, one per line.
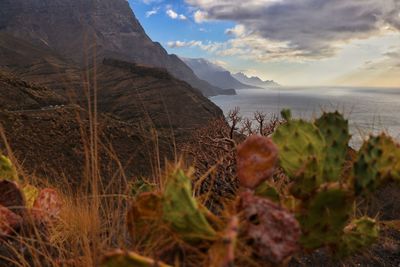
7, 170
12, 197
30, 193
301, 152
378, 160
267, 190
272, 230
121, 258
47, 206
335, 130
8, 221
359, 234
324, 216
181, 210
257, 157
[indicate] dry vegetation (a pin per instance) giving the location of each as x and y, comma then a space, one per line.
97, 217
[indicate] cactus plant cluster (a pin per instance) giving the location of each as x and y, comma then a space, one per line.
315, 209
312, 154
270, 224
19, 201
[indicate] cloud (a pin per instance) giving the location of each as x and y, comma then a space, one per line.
200, 16
148, 2
173, 15
181, 44
152, 12
247, 47
310, 28
238, 30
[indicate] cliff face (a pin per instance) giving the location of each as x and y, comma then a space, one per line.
77, 29
154, 95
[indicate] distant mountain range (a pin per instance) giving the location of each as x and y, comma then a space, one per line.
254, 80
214, 74
220, 77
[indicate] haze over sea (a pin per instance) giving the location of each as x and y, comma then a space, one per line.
368, 109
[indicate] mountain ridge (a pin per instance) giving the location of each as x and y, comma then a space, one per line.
254, 80
214, 74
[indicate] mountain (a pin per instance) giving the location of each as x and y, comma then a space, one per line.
255, 81
142, 111
78, 29
214, 74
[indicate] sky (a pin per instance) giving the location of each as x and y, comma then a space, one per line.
294, 42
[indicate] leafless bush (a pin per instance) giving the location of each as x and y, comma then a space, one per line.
212, 153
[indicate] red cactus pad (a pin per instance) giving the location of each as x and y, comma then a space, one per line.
256, 160
8, 221
273, 231
47, 205
11, 197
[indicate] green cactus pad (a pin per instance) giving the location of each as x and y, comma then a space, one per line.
335, 130
181, 210
286, 114
267, 190
30, 193
129, 259
378, 160
301, 153
7, 170
324, 216
359, 234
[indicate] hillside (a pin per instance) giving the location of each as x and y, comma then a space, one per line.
41, 118
20, 95
48, 136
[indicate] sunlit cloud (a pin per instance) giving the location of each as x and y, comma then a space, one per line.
200, 16
310, 28
382, 72
173, 15
247, 46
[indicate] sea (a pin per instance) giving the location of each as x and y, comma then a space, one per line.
369, 110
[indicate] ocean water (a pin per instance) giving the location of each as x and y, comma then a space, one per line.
369, 110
